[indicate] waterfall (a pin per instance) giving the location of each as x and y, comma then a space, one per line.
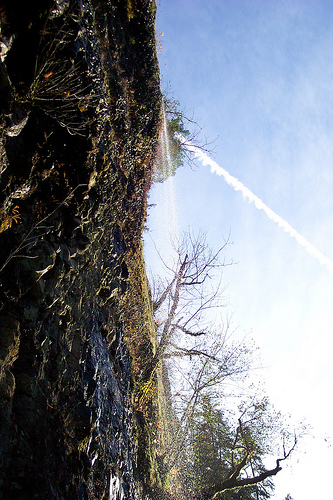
164, 217
169, 219
165, 145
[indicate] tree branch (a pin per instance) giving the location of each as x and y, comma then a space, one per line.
232, 483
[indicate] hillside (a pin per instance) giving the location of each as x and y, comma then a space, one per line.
79, 119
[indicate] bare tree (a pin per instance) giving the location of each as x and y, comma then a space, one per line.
204, 355
182, 301
208, 361
214, 369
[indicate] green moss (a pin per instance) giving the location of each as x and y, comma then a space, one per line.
130, 10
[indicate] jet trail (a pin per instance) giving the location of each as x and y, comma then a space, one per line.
238, 186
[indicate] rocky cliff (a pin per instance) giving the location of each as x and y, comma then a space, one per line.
79, 117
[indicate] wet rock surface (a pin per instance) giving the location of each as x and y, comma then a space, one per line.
79, 120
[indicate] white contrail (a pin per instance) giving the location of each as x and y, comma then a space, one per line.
238, 186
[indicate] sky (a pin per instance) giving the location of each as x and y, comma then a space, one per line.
258, 78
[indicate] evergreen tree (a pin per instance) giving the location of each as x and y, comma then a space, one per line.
211, 441
214, 451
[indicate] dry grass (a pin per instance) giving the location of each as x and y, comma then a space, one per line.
152, 395
138, 315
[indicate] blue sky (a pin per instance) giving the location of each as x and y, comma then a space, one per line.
258, 76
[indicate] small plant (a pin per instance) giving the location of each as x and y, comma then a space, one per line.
29, 237
130, 10
58, 87
8, 221
159, 42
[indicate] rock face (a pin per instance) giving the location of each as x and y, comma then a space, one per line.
80, 108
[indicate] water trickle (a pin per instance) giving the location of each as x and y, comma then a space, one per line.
165, 145
115, 489
166, 206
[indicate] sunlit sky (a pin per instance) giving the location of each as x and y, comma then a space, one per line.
258, 77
